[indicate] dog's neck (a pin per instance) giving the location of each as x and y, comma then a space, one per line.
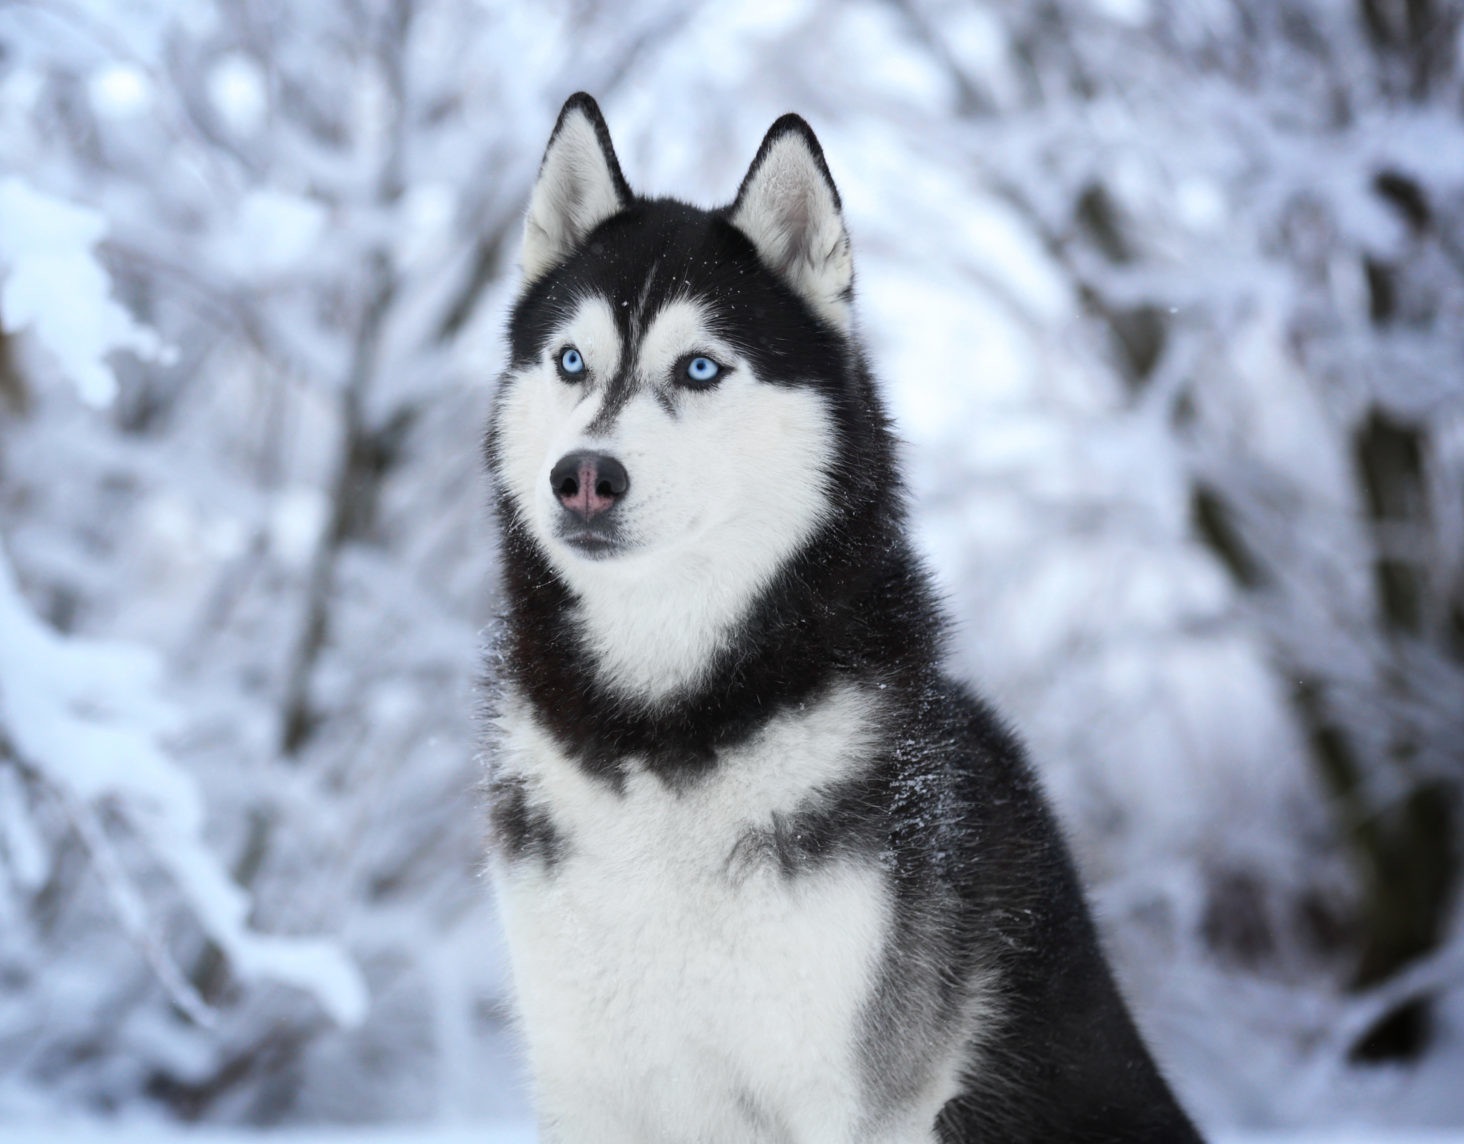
722, 667
654, 639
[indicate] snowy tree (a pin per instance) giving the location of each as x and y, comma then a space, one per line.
306, 209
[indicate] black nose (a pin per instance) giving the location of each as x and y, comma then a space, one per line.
588, 484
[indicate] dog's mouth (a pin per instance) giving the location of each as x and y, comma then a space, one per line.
589, 541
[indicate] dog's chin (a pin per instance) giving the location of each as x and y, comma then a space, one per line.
592, 544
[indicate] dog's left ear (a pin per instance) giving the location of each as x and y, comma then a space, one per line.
788, 206
579, 187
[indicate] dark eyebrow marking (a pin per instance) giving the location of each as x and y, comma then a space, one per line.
639, 317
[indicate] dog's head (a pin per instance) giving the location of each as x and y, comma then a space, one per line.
670, 418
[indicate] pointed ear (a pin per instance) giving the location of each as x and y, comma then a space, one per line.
788, 206
579, 187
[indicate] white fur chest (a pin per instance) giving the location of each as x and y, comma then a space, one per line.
676, 984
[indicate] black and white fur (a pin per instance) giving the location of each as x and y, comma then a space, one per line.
767, 874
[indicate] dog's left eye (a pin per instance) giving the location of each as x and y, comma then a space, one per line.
571, 364
700, 370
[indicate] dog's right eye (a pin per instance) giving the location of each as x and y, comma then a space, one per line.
571, 364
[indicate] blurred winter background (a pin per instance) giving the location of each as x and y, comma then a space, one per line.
1169, 303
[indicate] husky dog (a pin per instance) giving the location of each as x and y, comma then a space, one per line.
766, 873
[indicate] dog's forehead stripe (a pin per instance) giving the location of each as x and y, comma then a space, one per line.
638, 319
677, 328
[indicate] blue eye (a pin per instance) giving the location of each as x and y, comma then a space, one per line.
702, 370
570, 362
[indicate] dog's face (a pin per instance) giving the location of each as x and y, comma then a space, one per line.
668, 418
642, 431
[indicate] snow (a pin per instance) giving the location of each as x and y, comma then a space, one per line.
119, 91
53, 286
236, 87
1126, 11
273, 232
25, 853
86, 717
296, 522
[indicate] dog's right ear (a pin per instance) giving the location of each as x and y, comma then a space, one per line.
579, 187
